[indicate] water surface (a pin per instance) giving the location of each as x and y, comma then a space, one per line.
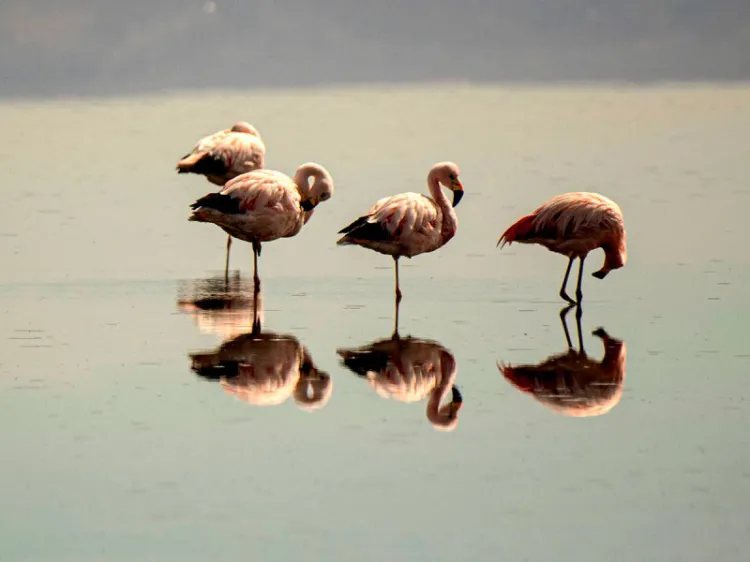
115, 448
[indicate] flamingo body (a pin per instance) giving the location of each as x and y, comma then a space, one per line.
225, 154
265, 205
409, 224
574, 224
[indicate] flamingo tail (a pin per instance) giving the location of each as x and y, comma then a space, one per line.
522, 229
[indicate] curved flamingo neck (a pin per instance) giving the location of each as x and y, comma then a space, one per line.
441, 417
302, 180
450, 220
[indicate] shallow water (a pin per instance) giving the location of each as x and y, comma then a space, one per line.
114, 448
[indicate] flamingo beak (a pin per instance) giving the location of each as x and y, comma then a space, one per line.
458, 191
309, 204
601, 274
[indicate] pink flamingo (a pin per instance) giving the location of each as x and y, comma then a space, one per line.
409, 224
225, 155
265, 205
573, 224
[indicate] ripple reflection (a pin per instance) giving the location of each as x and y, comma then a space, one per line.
222, 306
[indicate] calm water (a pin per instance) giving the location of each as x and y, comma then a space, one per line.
114, 449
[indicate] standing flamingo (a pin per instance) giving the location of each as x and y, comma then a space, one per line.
409, 224
265, 205
573, 224
225, 155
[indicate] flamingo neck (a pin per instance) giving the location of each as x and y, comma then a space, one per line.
450, 219
302, 181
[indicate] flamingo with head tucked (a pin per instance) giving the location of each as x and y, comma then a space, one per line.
265, 205
409, 224
574, 224
225, 155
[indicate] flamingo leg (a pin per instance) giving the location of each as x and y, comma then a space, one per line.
563, 313
398, 288
226, 261
563, 294
579, 293
256, 253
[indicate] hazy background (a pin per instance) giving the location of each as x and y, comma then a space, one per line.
84, 47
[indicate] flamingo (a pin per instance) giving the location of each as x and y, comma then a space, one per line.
573, 224
408, 370
265, 369
223, 156
265, 205
571, 383
409, 224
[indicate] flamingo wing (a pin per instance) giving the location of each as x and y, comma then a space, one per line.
396, 218
225, 153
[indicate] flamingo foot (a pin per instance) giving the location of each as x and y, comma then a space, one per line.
565, 297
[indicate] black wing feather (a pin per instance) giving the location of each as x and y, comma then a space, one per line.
360, 229
362, 362
219, 201
209, 165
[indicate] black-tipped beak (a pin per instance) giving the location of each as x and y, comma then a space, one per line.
601, 274
457, 195
307, 205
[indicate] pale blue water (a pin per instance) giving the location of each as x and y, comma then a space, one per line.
113, 449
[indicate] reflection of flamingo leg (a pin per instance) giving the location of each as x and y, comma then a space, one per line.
579, 315
579, 292
395, 317
256, 314
563, 313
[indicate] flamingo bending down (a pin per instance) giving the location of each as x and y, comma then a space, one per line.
408, 370
409, 224
571, 383
573, 224
225, 155
265, 205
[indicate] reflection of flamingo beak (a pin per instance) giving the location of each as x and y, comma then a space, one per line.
456, 401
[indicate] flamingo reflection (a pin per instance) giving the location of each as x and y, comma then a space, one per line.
410, 370
263, 368
571, 383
